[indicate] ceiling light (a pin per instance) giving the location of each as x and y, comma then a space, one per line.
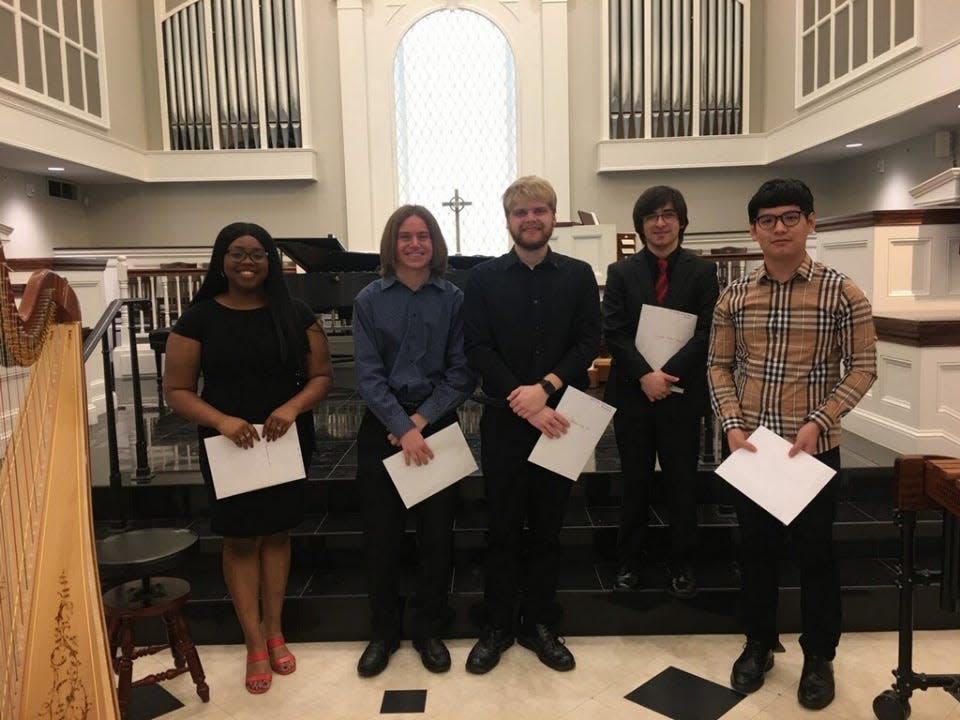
854, 145
54, 169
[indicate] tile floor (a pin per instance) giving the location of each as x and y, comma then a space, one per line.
326, 684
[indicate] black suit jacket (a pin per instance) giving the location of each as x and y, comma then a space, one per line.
630, 285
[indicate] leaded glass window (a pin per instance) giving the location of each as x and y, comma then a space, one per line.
456, 124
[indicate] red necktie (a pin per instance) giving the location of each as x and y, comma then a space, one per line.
661, 286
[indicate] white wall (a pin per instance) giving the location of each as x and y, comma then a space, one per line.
192, 213
881, 180
39, 222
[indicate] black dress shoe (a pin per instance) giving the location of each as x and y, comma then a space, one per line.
684, 583
376, 656
748, 670
816, 689
433, 654
627, 578
548, 647
486, 652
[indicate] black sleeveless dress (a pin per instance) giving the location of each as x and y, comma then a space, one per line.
241, 375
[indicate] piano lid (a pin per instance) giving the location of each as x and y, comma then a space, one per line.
326, 254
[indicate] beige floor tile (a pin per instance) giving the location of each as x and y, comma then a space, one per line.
595, 710
326, 684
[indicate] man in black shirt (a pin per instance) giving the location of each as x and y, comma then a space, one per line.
531, 327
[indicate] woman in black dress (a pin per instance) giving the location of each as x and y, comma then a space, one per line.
264, 360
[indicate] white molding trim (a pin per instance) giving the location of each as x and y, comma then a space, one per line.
858, 243
679, 153
369, 32
942, 190
224, 165
900, 437
5, 232
39, 132
888, 94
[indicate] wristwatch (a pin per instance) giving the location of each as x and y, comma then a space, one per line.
548, 387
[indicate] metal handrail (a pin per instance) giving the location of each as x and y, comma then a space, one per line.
104, 334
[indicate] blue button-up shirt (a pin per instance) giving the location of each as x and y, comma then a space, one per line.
408, 350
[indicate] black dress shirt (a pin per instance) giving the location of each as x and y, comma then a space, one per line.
521, 324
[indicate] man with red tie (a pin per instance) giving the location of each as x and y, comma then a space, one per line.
658, 408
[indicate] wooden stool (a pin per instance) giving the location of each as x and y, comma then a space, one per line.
145, 553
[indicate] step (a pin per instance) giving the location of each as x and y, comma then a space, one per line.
327, 601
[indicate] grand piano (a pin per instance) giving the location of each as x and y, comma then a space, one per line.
333, 276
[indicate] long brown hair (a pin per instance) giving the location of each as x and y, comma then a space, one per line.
388, 242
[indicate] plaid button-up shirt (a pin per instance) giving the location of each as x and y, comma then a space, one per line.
783, 354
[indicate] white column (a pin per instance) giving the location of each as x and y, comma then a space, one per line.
556, 102
356, 121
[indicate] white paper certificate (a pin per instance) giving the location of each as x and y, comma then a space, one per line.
452, 460
661, 332
238, 470
781, 485
568, 454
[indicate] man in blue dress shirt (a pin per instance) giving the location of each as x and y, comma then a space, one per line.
532, 327
413, 375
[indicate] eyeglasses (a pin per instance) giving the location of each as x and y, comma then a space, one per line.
789, 219
238, 254
668, 216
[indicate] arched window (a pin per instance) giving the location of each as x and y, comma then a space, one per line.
456, 124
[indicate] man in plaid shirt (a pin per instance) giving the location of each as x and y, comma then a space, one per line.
793, 348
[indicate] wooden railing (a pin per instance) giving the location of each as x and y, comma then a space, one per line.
169, 290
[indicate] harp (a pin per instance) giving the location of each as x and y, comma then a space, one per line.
54, 660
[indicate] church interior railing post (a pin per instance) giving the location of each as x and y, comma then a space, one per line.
142, 473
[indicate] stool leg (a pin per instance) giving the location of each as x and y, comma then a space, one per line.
126, 666
178, 659
113, 637
189, 652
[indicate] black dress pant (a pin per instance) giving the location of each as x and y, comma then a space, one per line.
516, 489
384, 523
810, 536
667, 429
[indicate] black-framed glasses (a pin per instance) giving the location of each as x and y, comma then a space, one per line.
668, 216
238, 254
789, 219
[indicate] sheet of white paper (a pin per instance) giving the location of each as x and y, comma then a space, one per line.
238, 470
452, 460
568, 454
782, 485
661, 332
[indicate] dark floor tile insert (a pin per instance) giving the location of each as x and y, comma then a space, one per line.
682, 696
403, 701
151, 701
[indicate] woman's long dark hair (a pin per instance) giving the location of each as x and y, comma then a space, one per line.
279, 302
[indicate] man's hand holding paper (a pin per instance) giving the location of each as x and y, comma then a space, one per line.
781, 484
550, 422
661, 332
586, 418
451, 460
